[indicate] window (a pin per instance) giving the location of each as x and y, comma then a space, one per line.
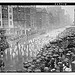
10, 22
5, 16
10, 10
10, 16
4, 22
4, 11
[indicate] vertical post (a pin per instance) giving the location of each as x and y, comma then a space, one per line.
0, 16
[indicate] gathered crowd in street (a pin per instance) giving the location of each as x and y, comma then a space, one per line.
19, 53
34, 45
56, 56
41, 54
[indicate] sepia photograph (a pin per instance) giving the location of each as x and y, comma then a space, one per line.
37, 38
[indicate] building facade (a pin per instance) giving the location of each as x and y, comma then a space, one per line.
18, 18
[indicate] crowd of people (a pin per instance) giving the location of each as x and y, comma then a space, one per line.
33, 46
42, 55
18, 53
56, 56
